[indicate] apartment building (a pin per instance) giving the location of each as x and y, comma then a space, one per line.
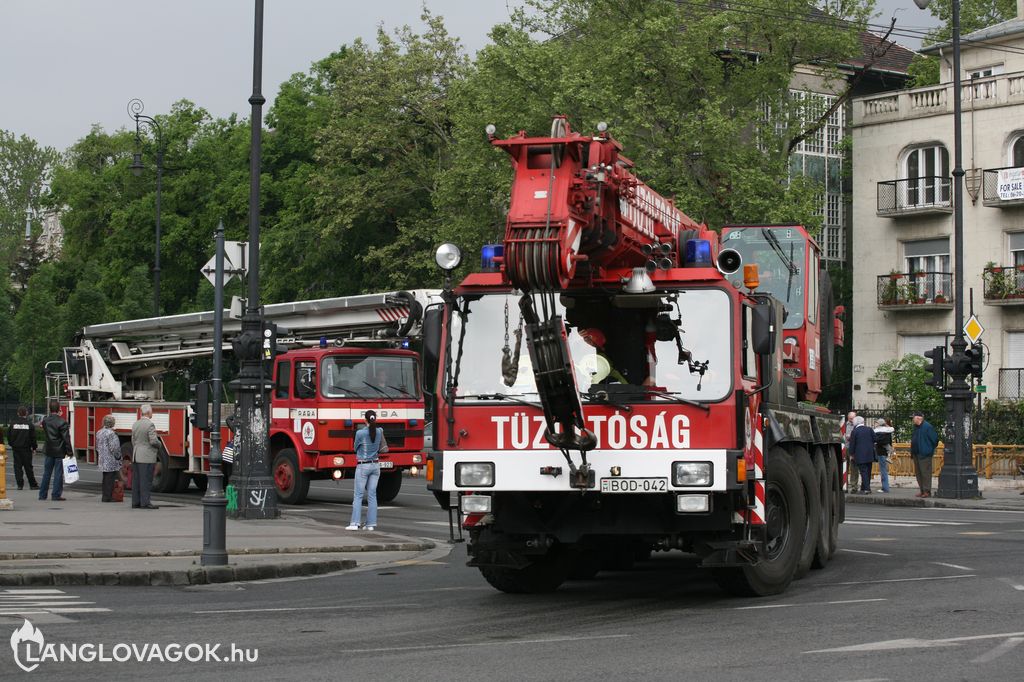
903, 213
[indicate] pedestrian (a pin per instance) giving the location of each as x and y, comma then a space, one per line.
369, 443
852, 472
883, 450
923, 442
108, 447
144, 453
862, 447
57, 445
21, 436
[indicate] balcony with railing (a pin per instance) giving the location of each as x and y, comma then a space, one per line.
1004, 285
978, 93
915, 291
915, 196
1003, 187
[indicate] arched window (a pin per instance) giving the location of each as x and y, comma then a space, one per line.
926, 170
1017, 151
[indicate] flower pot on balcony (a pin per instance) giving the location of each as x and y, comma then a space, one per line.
940, 299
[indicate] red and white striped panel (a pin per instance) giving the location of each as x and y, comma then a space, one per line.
755, 455
393, 314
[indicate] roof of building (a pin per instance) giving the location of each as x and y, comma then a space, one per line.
1003, 29
892, 56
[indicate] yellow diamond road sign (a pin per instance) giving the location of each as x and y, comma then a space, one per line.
973, 330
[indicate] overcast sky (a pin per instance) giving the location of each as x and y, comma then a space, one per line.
67, 64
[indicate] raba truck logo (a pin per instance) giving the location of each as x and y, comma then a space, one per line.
22, 640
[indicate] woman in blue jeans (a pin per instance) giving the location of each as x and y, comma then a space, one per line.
369, 443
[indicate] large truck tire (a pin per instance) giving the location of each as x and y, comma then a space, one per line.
165, 479
812, 507
541, 574
585, 565
291, 483
201, 481
388, 486
181, 485
826, 503
786, 522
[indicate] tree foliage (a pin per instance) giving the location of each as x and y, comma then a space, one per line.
903, 385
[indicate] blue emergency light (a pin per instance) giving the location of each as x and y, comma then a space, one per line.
323, 342
405, 343
698, 254
488, 253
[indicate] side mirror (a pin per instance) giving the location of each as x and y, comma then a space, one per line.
433, 319
763, 329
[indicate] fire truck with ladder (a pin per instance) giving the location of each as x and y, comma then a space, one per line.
620, 379
344, 356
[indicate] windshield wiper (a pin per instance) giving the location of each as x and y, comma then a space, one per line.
400, 390
682, 401
773, 241
502, 396
378, 389
604, 398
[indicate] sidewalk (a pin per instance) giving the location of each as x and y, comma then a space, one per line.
996, 494
87, 542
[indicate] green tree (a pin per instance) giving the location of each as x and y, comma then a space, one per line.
36, 335
974, 15
903, 385
25, 170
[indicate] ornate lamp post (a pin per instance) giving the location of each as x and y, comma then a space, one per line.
135, 108
958, 478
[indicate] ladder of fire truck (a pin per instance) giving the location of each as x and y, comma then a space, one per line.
139, 349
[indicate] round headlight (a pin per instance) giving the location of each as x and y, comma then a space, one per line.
448, 256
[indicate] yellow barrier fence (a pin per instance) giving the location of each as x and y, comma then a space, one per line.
989, 460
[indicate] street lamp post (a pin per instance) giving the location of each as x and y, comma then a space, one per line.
135, 108
958, 478
257, 496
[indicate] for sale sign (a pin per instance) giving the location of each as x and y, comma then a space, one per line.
1011, 183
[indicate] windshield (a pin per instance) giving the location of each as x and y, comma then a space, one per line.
613, 340
756, 245
368, 376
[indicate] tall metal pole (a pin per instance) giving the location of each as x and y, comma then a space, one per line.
215, 504
159, 192
257, 497
958, 478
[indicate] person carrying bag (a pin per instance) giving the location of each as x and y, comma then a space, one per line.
57, 447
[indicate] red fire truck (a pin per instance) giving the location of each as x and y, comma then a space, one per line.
620, 379
347, 355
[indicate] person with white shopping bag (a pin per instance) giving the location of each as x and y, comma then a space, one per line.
57, 448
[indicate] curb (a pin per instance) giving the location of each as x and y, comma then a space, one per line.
195, 576
927, 502
117, 553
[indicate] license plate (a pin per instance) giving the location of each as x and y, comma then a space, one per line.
634, 485
385, 464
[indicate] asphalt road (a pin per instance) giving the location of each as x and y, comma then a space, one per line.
914, 594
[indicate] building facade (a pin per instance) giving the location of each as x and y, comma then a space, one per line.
903, 213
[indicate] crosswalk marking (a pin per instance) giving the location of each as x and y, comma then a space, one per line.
35, 602
922, 521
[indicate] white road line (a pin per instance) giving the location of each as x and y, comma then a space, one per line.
26, 591
78, 610
906, 580
1012, 584
297, 608
436, 523
886, 524
813, 603
553, 640
929, 523
911, 643
956, 566
862, 551
1004, 648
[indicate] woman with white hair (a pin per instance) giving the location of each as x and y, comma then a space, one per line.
108, 447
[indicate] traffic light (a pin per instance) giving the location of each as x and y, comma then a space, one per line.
976, 360
937, 357
200, 417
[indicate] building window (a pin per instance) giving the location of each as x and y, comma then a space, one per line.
1017, 151
927, 263
1016, 248
926, 170
917, 344
1011, 375
986, 71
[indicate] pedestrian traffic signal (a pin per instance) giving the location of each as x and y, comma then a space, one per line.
976, 360
937, 356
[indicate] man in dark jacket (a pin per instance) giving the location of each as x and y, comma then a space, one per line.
22, 439
58, 444
862, 449
923, 442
